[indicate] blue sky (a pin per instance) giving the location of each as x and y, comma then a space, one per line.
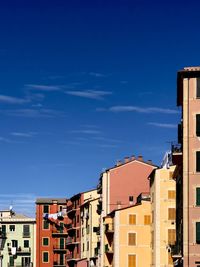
84, 84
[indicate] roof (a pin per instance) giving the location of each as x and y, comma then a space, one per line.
51, 200
15, 217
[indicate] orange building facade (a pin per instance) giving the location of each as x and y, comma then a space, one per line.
51, 232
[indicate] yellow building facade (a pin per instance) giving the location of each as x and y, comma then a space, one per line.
163, 205
127, 235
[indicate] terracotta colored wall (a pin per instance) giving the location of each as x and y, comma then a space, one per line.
82, 263
128, 180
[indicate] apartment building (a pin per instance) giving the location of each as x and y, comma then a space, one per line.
51, 232
119, 187
188, 98
89, 229
163, 208
17, 239
127, 235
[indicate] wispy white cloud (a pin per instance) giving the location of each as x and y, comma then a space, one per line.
86, 131
44, 88
33, 113
163, 125
20, 134
97, 74
92, 94
13, 100
118, 109
4, 140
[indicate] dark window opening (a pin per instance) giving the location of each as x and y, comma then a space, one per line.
198, 161
198, 124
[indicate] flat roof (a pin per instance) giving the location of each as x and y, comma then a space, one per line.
51, 200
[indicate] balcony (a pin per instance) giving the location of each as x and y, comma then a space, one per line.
57, 264
109, 228
108, 249
71, 229
72, 257
71, 211
20, 250
99, 208
96, 230
72, 241
175, 252
20, 265
59, 247
59, 232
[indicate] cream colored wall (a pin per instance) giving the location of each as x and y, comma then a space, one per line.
163, 182
143, 235
93, 221
107, 220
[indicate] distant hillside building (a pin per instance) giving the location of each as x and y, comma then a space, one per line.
17, 240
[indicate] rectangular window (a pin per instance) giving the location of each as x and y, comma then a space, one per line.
198, 125
132, 239
198, 87
12, 228
26, 243
88, 245
45, 225
131, 261
45, 257
171, 236
171, 214
147, 219
198, 161
46, 209
198, 232
26, 230
132, 219
198, 196
171, 194
45, 241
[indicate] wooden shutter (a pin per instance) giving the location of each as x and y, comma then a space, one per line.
171, 236
131, 261
147, 219
132, 219
171, 194
131, 239
171, 214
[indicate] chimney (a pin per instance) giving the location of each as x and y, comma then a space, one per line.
149, 161
119, 204
126, 159
140, 158
132, 157
118, 163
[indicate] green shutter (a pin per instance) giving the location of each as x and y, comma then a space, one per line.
198, 161
198, 124
198, 232
45, 256
62, 242
198, 196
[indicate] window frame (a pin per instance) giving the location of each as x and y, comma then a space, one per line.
129, 233
45, 238
197, 153
197, 120
43, 253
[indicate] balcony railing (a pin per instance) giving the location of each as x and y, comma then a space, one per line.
59, 231
108, 249
71, 241
20, 265
109, 228
72, 257
20, 250
59, 264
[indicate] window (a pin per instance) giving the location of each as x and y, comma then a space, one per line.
171, 236
147, 219
45, 257
45, 241
198, 87
130, 198
26, 243
83, 246
46, 209
198, 196
132, 239
198, 232
12, 228
26, 230
77, 218
88, 245
132, 219
88, 229
131, 261
198, 161
45, 225
77, 233
198, 125
171, 214
171, 194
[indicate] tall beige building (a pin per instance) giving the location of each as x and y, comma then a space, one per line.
163, 206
